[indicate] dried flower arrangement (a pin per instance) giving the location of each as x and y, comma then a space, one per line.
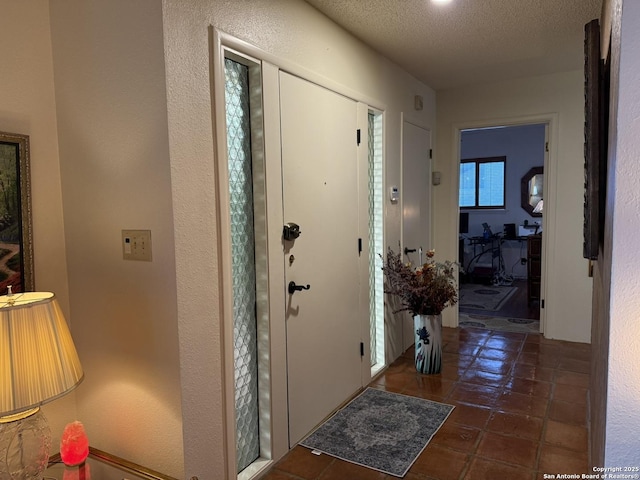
426, 290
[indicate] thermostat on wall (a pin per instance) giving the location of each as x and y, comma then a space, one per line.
394, 194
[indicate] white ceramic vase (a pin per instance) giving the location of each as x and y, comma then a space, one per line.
428, 346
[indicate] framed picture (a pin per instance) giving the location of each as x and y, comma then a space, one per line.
16, 246
595, 141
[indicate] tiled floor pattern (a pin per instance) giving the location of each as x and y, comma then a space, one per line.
521, 412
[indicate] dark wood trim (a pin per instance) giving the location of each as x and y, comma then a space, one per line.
594, 141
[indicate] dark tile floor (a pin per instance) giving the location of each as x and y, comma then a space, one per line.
521, 412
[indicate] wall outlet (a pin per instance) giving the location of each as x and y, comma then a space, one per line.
136, 245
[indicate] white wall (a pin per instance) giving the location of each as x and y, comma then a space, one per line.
114, 160
623, 418
568, 310
294, 32
27, 106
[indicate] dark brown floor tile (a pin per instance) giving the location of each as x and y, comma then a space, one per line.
572, 378
395, 379
555, 460
568, 412
518, 425
577, 351
482, 469
457, 437
339, 470
475, 394
484, 378
579, 366
470, 415
523, 404
533, 372
509, 335
428, 386
278, 475
570, 393
302, 463
570, 437
461, 347
538, 360
474, 335
457, 359
440, 462
529, 387
534, 338
452, 372
497, 354
493, 366
518, 451
506, 344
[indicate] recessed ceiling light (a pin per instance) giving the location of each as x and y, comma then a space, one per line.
441, 1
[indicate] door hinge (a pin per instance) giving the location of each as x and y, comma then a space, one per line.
542, 303
359, 246
362, 349
431, 153
546, 146
358, 136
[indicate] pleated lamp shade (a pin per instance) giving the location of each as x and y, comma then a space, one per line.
38, 360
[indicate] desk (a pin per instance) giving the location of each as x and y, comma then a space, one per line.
100, 466
485, 250
493, 260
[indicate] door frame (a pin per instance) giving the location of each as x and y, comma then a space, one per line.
273, 390
550, 182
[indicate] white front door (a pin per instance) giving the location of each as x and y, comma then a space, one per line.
416, 213
320, 194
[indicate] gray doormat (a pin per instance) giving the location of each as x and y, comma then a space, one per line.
380, 430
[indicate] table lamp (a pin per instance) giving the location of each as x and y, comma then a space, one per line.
38, 363
539, 207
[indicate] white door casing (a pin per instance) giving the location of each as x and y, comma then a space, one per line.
320, 194
416, 210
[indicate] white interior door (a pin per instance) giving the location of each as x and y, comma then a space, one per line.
416, 212
320, 194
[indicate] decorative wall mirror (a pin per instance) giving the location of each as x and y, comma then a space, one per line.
531, 188
16, 248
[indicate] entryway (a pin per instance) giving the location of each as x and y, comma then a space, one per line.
501, 200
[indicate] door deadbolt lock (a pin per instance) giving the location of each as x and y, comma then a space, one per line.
291, 231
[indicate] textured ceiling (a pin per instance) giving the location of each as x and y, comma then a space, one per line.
469, 41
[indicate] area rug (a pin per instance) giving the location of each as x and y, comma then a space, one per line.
484, 297
380, 430
501, 324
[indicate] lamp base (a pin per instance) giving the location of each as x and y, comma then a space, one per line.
24, 447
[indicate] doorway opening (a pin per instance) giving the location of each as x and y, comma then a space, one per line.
501, 207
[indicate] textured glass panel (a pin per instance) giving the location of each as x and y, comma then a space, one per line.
376, 238
243, 262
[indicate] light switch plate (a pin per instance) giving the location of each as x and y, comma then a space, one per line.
136, 245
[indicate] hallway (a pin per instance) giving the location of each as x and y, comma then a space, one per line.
521, 412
